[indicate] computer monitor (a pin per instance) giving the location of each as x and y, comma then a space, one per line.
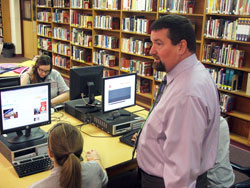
118, 92
9, 81
86, 82
24, 108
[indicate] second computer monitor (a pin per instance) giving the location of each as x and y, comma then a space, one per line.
86, 80
9, 81
119, 92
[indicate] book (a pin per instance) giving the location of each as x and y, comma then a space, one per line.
248, 84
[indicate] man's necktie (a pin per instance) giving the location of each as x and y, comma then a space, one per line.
157, 99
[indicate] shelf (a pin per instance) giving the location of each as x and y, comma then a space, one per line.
228, 15
78, 27
245, 69
240, 115
63, 40
143, 105
60, 23
81, 46
44, 36
182, 14
81, 61
113, 68
143, 56
135, 33
225, 40
239, 139
103, 29
110, 49
62, 67
237, 92
146, 95
61, 54
143, 12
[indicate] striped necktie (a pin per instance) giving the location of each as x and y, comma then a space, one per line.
157, 99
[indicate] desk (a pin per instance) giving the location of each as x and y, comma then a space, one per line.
115, 155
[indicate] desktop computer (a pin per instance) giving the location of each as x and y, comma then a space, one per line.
23, 109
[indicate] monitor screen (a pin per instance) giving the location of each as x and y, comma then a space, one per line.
86, 81
23, 108
9, 81
118, 92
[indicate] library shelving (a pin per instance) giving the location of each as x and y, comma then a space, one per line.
1, 23
116, 34
226, 53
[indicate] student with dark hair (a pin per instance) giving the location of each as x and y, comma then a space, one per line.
65, 145
43, 72
178, 142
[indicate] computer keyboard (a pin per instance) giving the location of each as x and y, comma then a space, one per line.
126, 138
32, 166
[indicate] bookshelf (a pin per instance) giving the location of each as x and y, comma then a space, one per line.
226, 52
1, 24
95, 32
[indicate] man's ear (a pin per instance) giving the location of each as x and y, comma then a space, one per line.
182, 47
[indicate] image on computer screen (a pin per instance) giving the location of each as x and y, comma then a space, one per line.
119, 92
24, 107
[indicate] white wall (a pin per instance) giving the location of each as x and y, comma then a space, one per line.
15, 21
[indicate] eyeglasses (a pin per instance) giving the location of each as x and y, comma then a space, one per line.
44, 71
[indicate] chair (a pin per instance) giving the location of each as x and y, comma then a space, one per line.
243, 170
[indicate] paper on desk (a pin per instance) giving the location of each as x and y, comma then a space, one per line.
27, 63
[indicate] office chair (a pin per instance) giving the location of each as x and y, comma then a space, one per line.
243, 170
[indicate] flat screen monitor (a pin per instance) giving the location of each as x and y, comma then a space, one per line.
24, 108
86, 82
9, 81
118, 92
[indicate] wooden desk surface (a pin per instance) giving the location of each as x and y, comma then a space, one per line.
112, 151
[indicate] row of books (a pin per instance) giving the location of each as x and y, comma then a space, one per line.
228, 29
143, 85
44, 16
44, 30
142, 5
105, 41
106, 22
78, 19
60, 16
106, 4
104, 57
226, 103
177, 6
137, 46
228, 79
45, 3
108, 72
61, 3
61, 61
1, 32
158, 75
225, 54
79, 37
237, 7
61, 48
79, 4
80, 54
138, 24
136, 66
61, 33
44, 43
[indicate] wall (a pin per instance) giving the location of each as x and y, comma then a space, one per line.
29, 39
6, 20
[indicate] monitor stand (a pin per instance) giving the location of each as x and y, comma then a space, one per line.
28, 136
116, 114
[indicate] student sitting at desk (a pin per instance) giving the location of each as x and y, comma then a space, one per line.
43, 72
65, 145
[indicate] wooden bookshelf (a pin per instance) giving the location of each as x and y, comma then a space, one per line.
240, 116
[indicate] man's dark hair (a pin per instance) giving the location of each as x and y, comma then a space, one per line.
179, 28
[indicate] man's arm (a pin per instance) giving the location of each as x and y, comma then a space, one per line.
182, 149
